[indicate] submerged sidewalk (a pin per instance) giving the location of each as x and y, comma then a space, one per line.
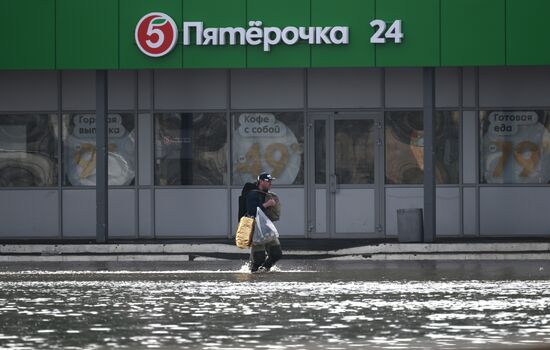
211, 251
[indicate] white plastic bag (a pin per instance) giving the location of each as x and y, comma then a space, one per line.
265, 231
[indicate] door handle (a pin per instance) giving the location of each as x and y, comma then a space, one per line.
333, 183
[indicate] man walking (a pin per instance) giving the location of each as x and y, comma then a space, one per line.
256, 199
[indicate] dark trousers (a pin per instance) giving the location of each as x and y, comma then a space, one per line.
258, 255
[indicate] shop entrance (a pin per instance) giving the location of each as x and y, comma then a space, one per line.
345, 153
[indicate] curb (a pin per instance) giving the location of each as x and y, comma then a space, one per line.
205, 252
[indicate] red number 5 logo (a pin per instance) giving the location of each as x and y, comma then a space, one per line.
156, 34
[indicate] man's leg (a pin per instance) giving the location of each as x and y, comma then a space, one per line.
274, 253
257, 257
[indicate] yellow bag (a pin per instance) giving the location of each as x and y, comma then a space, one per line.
245, 231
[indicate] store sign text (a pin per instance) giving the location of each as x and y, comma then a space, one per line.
260, 125
394, 32
268, 36
507, 123
156, 34
85, 126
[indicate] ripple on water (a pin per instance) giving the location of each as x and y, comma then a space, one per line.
194, 311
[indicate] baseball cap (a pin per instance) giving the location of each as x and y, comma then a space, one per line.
265, 177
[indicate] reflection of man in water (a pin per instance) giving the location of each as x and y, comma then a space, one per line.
255, 199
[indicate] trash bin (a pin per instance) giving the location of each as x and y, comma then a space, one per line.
409, 225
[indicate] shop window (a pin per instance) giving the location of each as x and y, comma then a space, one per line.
515, 147
354, 142
404, 147
79, 146
320, 152
28, 150
190, 149
272, 142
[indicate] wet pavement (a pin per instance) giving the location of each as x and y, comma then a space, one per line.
304, 304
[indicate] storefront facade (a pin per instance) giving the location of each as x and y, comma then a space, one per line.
335, 114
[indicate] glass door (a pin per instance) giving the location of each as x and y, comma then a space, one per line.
344, 192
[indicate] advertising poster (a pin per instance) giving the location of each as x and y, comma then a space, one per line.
515, 147
264, 142
80, 150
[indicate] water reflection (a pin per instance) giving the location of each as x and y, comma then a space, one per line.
337, 306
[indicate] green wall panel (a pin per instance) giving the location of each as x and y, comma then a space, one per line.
356, 14
472, 32
31, 40
527, 32
99, 34
131, 11
420, 27
87, 34
279, 13
215, 13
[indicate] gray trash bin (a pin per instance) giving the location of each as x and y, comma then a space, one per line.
409, 225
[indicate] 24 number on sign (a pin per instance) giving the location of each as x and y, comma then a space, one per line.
394, 32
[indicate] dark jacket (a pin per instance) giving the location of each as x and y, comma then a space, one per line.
254, 199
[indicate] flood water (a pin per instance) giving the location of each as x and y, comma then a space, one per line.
303, 305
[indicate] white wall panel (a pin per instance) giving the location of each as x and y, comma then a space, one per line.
28, 91
448, 212
78, 90
344, 88
235, 193
145, 88
267, 88
321, 215
470, 211
145, 214
469, 87
79, 213
122, 213
400, 198
447, 208
404, 88
190, 89
191, 212
32, 213
293, 214
514, 86
355, 210
447, 84
514, 211
122, 90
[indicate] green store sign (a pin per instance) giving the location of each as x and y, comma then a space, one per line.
124, 34
156, 34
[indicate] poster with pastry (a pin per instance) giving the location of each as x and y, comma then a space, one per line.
81, 154
262, 142
515, 147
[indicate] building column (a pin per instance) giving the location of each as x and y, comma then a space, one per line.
102, 194
429, 154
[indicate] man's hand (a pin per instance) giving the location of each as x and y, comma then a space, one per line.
271, 202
